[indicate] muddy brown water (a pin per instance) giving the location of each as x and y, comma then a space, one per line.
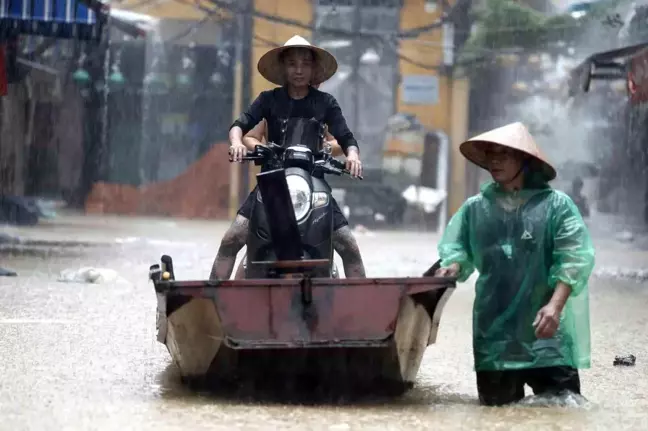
82, 356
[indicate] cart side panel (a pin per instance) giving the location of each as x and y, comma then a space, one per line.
297, 312
279, 314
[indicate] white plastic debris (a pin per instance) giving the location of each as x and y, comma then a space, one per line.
636, 274
5, 238
568, 399
362, 230
89, 275
424, 197
625, 236
127, 240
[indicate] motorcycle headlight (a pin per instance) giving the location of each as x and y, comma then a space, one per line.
300, 194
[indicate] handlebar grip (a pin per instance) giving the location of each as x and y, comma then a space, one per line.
342, 166
359, 177
249, 156
337, 164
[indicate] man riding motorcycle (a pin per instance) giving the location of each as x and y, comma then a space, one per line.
259, 136
296, 66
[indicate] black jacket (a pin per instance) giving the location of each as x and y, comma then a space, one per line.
276, 104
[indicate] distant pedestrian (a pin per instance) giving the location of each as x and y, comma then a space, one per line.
576, 194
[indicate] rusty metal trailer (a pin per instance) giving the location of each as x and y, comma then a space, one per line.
351, 334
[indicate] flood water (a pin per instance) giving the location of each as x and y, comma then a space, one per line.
84, 356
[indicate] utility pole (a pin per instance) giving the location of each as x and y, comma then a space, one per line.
96, 135
357, 54
249, 174
239, 173
235, 168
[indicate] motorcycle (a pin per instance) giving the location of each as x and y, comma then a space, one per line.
292, 217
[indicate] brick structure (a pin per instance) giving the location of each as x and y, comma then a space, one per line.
202, 191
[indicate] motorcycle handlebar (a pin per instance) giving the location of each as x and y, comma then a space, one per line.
252, 156
336, 167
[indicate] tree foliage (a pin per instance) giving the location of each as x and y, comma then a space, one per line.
507, 25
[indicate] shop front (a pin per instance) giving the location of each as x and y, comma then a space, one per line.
623, 182
637, 132
31, 60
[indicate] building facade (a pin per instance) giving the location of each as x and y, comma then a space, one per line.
406, 72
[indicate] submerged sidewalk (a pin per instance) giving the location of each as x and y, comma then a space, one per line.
417, 249
68, 228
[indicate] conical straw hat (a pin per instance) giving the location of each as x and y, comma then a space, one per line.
271, 69
515, 136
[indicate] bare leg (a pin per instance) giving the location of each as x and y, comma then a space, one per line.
346, 246
232, 242
240, 271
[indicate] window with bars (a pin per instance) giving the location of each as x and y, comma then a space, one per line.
366, 95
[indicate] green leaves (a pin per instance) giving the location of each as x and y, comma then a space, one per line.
505, 28
507, 24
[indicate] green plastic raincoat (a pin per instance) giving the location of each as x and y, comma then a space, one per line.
522, 244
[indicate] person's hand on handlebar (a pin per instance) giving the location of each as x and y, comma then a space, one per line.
237, 151
353, 163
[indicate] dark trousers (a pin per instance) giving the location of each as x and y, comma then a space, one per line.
498, 388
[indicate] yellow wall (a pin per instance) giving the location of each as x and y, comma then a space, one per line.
458, 182
449, 114
298, 10
413, 15
170, 9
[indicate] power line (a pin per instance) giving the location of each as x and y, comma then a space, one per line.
212, 12
266, 42
213, 15
140, 4
412, 33
395, 50
286, 21
390, 43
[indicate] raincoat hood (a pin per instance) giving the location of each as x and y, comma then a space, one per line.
271, 68
515, 136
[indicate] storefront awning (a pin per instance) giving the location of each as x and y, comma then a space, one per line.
606, 65
51, 18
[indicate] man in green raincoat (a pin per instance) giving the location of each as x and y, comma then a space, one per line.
534, 257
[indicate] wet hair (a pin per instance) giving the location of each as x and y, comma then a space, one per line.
283, 54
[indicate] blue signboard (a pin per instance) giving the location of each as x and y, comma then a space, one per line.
51, 18
420, 90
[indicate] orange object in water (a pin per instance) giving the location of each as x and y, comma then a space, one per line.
202, 191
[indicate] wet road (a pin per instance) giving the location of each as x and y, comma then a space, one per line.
81, 356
